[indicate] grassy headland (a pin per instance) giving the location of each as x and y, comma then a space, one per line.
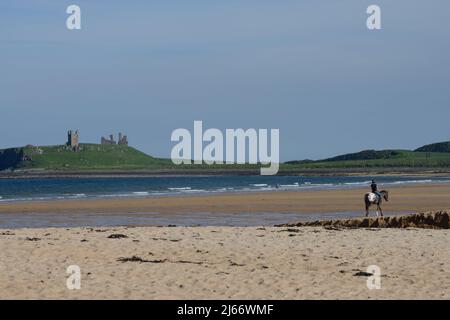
115, 159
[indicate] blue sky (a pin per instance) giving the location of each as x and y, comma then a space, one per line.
310, 68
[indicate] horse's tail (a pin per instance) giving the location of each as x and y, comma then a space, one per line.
366, 200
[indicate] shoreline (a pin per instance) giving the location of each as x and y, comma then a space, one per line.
357, 172
213, 192
404, 198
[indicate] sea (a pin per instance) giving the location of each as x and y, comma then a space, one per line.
60, 189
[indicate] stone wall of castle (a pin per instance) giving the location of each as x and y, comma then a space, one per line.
123, 140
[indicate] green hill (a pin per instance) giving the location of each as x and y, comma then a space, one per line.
435, 147
430, 156
110, 158
96, 158
397, 159
89, 157
367, 155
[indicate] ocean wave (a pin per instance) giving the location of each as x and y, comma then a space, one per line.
65, 196
76, 195
411, 181
27, 199
320, 185
294, 185
259, 185
194, 190
141, 193
114, 195
357, 183
179, 188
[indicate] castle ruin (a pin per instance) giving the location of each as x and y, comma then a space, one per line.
123, 140
72, 140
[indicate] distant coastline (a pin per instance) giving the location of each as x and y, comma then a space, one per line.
401, 171
121, 160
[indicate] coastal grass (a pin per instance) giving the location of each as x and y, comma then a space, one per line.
91, 157
96, 157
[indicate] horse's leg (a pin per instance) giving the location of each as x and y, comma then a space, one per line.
381, 211
367, 210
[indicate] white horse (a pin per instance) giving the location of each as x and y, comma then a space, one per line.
371, 198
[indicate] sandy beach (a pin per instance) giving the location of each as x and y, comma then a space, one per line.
224, 263
408, 198
229, 262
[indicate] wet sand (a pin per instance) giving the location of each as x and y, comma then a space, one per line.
411, 198
224, 263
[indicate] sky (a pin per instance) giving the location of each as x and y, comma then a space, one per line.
309, 68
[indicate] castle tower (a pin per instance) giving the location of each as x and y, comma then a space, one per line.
72, 139
123, 140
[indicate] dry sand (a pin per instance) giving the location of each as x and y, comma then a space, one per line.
412, 198
224, 263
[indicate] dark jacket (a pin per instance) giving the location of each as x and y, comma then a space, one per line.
374, 187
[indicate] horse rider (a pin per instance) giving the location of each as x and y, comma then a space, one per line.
374, 188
